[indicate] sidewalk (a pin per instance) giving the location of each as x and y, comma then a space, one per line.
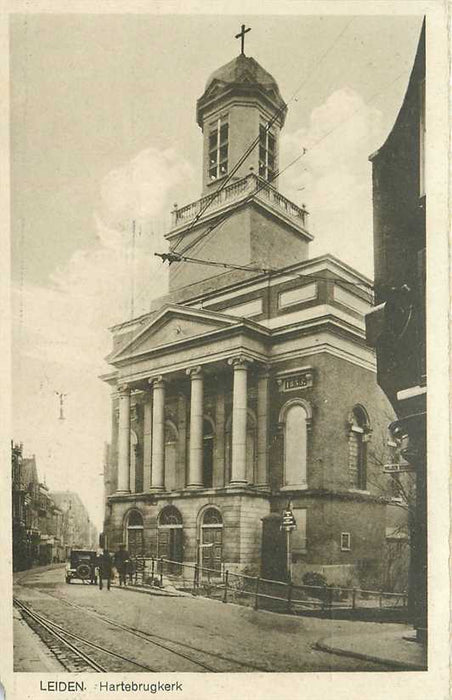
167, 591
389, 648
30, 652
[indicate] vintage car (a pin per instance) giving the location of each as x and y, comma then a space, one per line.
82, 566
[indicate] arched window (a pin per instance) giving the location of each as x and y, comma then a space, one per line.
295, 418
170, 517
212, 516
135, 519
357, 448
135, 533
251, 449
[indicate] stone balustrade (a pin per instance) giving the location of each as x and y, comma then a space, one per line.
250, 186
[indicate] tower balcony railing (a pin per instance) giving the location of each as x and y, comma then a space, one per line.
250, 186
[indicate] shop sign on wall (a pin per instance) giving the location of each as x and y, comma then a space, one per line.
295, 380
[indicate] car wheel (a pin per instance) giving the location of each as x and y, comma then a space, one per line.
83, 571
68, 580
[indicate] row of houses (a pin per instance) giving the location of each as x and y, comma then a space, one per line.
45, 525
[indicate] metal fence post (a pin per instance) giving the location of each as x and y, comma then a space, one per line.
161, 571
289, 597
256, 597
152, 570
354, 598
380, 601
225, 594
195, 579
330, 597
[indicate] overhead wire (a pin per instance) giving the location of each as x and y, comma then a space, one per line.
254, 143
274, 270
178, 256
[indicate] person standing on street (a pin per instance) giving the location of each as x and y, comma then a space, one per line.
121, 562
105, 565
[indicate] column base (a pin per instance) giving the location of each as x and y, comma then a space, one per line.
122, 492
237, 483
156, 489
195, 486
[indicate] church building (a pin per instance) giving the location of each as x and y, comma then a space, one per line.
249, 385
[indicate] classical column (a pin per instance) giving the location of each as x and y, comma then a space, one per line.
147, 442
124, 440
158, 434
262, 428
239, 420
196, 426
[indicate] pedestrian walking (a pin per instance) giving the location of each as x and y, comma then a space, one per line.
130, 568
105, 566
121, 563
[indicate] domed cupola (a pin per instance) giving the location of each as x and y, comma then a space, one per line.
241, 218
241, 76
239, 102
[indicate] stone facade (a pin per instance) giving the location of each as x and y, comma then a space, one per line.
242, 390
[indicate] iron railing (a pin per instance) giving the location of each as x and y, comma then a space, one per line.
258, 592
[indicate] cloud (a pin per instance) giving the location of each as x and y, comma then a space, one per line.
139, 189
60, 331
333, 178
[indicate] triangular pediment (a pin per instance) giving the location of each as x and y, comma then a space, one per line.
172, 325
215, 87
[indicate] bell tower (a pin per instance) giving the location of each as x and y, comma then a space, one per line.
241, 103
241, 218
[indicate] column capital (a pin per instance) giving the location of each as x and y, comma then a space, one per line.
194, 372
157, 382
240, 362
124, 389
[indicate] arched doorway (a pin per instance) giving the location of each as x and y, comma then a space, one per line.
135, 534
212, 540
170, 538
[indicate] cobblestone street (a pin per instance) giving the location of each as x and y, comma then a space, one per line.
187, 634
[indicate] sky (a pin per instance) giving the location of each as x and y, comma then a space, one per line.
103, 133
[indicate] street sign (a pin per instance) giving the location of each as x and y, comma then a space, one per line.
288, 520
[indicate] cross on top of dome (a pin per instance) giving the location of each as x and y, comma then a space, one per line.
241, 35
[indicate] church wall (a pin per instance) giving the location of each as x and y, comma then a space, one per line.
274, 244
241, 516
326, 519
229, 242
244, 127
252, 512
338, 386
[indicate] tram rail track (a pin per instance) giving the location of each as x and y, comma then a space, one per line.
210, 661
67, 653
59, 633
